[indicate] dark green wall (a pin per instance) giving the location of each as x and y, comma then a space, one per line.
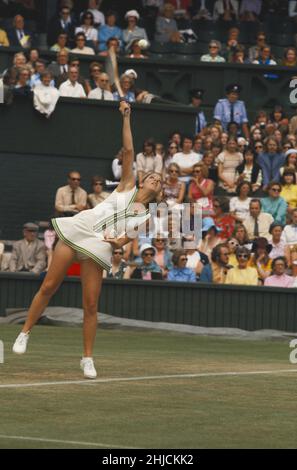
37, 153
248, 308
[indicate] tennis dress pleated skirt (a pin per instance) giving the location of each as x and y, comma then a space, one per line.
86, 231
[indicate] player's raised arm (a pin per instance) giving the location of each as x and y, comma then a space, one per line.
127, 180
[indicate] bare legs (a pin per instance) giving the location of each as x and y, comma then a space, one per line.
91, 279
62, 258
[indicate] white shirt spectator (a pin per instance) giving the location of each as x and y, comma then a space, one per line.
186, 160
289, 235
241, 208
85, 50
90, 33
72, 91
100, 94
117, 169
99, 18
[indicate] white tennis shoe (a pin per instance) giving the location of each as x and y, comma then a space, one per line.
87, 366
20, 344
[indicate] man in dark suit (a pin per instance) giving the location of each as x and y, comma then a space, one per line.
64, 23
59, 69
19, 36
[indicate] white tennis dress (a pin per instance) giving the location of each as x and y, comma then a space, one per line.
85, 232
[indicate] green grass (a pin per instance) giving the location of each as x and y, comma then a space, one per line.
250, 411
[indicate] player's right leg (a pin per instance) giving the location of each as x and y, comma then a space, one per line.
62, 258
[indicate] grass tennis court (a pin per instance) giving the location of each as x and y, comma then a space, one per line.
147, 411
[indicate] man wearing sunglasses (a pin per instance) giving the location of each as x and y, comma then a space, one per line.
71, 199
242, 274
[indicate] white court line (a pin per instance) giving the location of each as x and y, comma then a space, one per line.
58, 441
148, 377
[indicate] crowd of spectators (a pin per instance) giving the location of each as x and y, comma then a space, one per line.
240, 173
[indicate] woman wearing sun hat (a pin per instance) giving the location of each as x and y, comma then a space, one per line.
132, 31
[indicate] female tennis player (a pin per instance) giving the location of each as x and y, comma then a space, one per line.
90, 237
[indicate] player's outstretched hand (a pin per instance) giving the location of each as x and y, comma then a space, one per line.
125, 108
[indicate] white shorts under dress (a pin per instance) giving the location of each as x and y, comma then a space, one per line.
85, 232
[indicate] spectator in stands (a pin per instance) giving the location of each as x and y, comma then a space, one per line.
289, 236
277, 243
265, 57
95, 69
180, 273
274, 204
196, 261
109, 30
19, 36
241, 235
289, 188
148, 269
225, 10
257, 135
202, 9
61, 43
231, 109
166, 26
28, 254
102, 92
271, 161
45, 94
258, 223
60, 68
147, 161
132, 31
210, 236
223, 219
233, 244
126, 85
209, 161
196, 96
71, 88
216, 271
71, 199
279, 278
135, 51
250, 10
117, 166
118, 265
87, 27
290, 57
162, 255
232, 42
75, 62
22, 86
227, 162
254, 51
242, 274
240, 204
36, 76
249, 171
111, 43
214, 48
279, 118
93, 7
260, 258
63, 23
98, 195
50, 238
201, 189
167, 160
186, 159
81, 48
173, 189
4, 42
19, 60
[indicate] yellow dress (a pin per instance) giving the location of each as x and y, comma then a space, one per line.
289, 193
244, 277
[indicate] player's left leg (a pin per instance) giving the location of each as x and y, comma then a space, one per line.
91, 280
